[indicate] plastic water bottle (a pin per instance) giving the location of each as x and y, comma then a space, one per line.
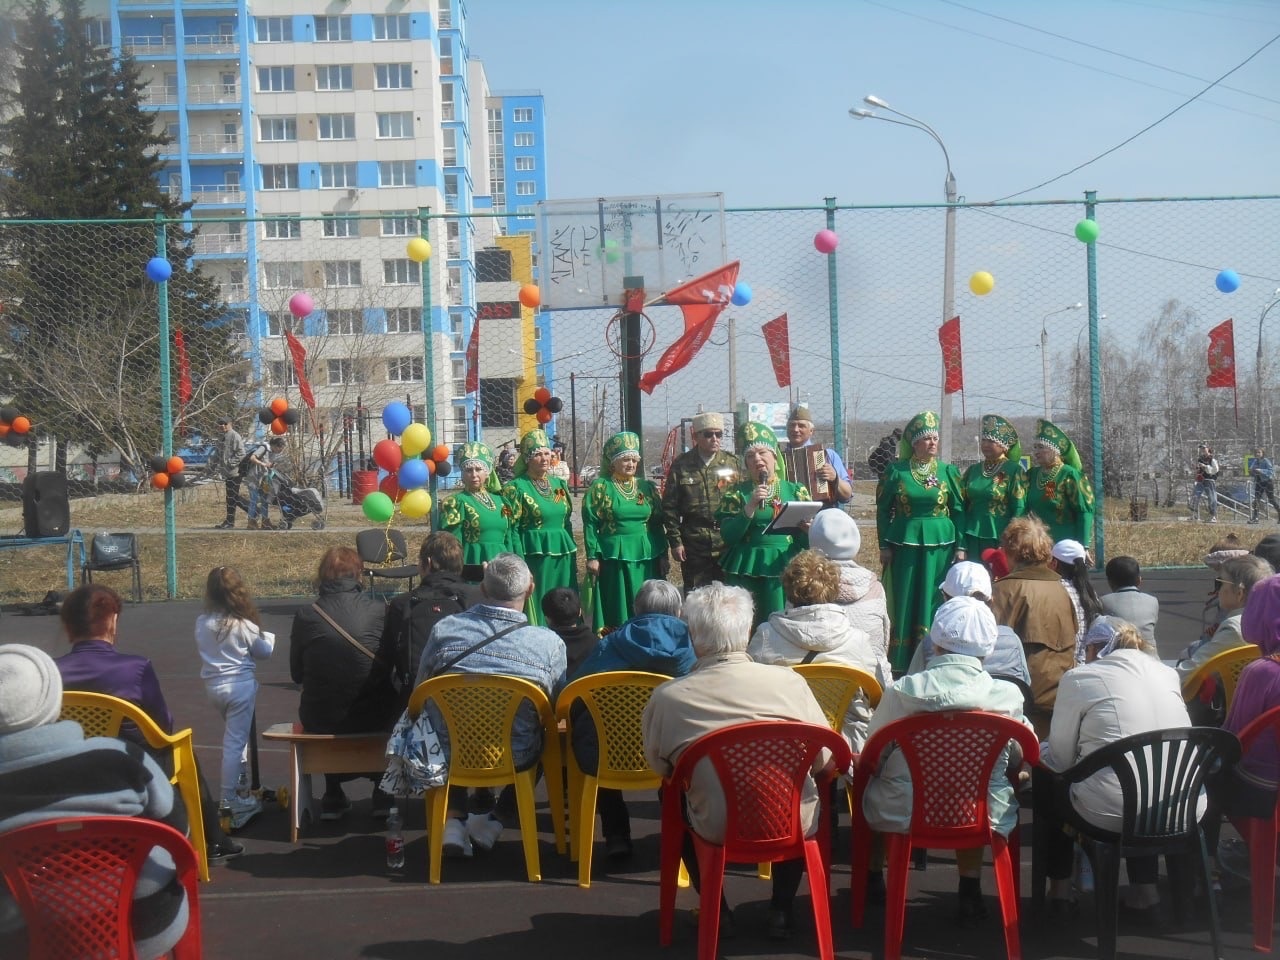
242, 786
224, 815
395, 840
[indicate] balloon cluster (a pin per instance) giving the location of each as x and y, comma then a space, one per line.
409, 465
278, 416
167, 472
543, 405
14, 427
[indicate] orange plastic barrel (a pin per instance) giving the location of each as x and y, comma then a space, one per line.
363, 483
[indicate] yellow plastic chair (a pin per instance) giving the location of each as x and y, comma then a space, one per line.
101, 715
478, 710
1228, 665
614, 703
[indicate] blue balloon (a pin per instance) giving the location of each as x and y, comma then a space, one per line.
395, 417
159, 270
1227, 281
741, 294
413, 474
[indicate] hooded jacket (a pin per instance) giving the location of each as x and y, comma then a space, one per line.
651, 642
862, 598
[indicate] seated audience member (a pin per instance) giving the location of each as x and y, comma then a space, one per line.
726, 687
337, 653
1069, 560
996, 562
1121, 690
90, 618
1032, 601
562, 608
1235, 581
812, 628
1268, 549
494, 636
1126, 599
835, 535
1228, 548
963, 634
48, 769
655, 640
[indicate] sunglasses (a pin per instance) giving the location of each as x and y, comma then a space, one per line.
712, 433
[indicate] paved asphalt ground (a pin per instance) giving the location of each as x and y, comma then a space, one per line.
331, 896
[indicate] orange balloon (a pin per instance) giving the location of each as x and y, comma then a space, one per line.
279, 405
544, 415
430, 465
175, 464
279, 427
440, 453
160, 480
4, 429
542, 395
530, 296
21, 424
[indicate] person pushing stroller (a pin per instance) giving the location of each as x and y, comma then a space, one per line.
292, 501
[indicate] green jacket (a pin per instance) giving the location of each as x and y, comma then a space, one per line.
912, 513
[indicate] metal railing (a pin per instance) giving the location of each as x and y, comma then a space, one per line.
214, 143
221, 243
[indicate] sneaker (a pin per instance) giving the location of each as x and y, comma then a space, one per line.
334, 806
224, 850
483, 829
268, 525
225, 525
244, 809
456, 841
252, 524
381, 804
1213, 519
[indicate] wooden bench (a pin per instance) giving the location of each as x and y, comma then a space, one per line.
323, 753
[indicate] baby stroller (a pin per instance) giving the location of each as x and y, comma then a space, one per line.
295, 502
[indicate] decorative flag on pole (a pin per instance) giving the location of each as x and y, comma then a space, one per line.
1222, 360
952, 360
184, 368
473, 358
777, 339
299, 354
702, 300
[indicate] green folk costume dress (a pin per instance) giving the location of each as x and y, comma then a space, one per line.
918, 514
752, 558
542, 532
991, 501
482, 523
622, 527
1062, 497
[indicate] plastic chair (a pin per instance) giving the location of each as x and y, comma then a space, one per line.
478, 710
114, 551
1261, 836
73, 879
1160, 774
614, 702
762, 767
101, 715
834, 686
1226, 665
383, 553
950, 757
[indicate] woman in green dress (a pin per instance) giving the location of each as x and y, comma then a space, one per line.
1057, 491
541, 521
920, 509
622, 529
477, 515
752, 558
995, 489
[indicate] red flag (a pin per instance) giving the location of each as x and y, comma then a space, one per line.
702, 300
299, 354
184, 368
777, 339
1222, 356
473, 359
952, 361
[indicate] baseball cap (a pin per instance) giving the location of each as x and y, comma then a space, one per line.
1068, 551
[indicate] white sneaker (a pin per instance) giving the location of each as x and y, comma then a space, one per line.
244, 809
456, 841
484, 830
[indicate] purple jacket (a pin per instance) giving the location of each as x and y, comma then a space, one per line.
95, 666
1259, 687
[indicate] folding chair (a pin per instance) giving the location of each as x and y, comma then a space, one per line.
383, 552
114, 551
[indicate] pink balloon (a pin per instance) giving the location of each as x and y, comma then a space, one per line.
826, 241
301, 304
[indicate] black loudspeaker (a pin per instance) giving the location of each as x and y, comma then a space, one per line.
46, 511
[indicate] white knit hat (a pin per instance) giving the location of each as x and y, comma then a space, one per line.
835, 535
30, 688
964, 625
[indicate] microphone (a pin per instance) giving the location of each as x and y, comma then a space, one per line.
764, 475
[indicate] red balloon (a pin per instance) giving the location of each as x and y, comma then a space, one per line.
4, 429
387, 455
279, 427
545, 415
391, 488
159, 480
542, 395
439, 453
279, 405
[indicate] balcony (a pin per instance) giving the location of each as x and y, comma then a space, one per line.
148, 47
446, 110
160, 95
214, 143
217, 195
234, 292
206, 243
451, 203
454, 249
213, 93
212, 43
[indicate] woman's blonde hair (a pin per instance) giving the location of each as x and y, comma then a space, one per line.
1026, 541
810, 578
1128, 638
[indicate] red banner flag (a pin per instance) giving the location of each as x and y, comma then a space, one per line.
184, 368
702, 300
473, 359
299, 354
952, 360
777, 339
1222, 356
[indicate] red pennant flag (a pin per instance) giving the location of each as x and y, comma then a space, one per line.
473, 359
1222, 356
952, 360
299, 354
702, 300
777, 339
184, 368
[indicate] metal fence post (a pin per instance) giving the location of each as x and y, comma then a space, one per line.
1095, 389
833, 319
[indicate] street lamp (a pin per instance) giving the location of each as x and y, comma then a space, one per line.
1257, 371
1044, 354
949, 256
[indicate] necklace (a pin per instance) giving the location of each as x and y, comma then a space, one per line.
627, 490
1048, 475
484, 498
989, 470
925, 472
543, 486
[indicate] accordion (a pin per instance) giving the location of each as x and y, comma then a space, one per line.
802, 465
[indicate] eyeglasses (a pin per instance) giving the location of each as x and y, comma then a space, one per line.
712, 433
1220, 583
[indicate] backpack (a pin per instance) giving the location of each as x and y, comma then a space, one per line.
245, 464
423, 610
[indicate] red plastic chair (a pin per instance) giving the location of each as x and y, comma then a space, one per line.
73, 880
950, 757
1261, 836
762, 767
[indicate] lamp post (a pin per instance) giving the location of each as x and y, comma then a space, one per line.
949, 255
1044, 354
1257, 371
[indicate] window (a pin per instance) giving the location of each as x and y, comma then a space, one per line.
285, 228
522, 115
526, 188
449, 147
333, 77
399, 223
333, 29
524, 163
342, 273
395, 126
280, 321
446, 101
273, 29
397, 272
522, 140
343, 371
335, 176
455, 332
342, 322
446, 56
1148, 431
393, 76
98, 32
282, 374
333, 225
524, 212
336, 126
279, 176
275, 79
404, 319
284, 129
283, 275
395, 173
444, 19
391, 27
458, 371
404, 370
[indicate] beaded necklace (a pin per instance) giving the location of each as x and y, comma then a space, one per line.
627, 490
925, 472
991, 470
1048, 475
484, 498
543, 486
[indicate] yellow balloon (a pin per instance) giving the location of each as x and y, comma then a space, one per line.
418, 249
415, 504
982, 283
415, 439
